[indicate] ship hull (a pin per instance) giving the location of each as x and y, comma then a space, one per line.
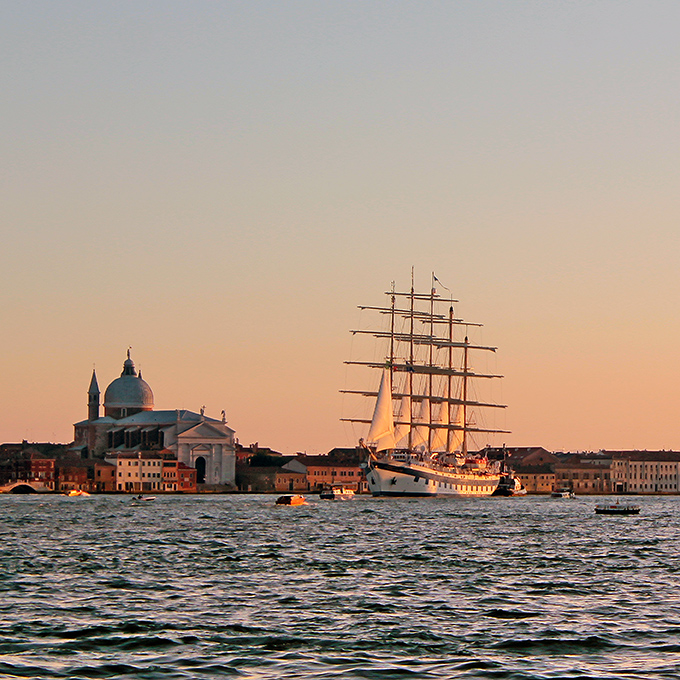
392, 478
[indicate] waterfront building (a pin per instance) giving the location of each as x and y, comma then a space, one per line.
15, 463
170, 475
645, 472
586, 473
186, 479
130, 425
286, 480
91, 475
32, 463
641, 472
338, 467
263, 470
136, 472
537, 479
178, 478
43, 471
270, 473
266, 471
73, 476
534, 466
104, 477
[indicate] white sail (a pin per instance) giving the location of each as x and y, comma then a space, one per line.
420, 432
404, 427
381, 431
456, 436
440, 435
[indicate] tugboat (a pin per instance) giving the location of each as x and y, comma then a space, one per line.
417, 442
509, 485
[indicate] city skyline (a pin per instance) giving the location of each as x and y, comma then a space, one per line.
220, 185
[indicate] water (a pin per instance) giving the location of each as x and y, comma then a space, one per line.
237, 587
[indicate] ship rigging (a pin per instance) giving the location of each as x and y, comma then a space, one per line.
419, 435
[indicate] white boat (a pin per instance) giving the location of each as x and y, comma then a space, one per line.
143, 499
562, 493
337, 493
424, 416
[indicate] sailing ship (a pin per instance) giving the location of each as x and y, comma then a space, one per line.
424, 416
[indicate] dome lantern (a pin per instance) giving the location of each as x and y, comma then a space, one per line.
128, 394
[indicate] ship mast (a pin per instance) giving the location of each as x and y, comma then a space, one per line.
449, 380
404, 346
431, 363
410, 362
391, 359
464, 395
392, 306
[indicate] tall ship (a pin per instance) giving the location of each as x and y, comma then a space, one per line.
426, 412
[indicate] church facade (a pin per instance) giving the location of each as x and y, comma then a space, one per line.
131, 425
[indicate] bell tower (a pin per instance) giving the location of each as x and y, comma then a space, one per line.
93, 398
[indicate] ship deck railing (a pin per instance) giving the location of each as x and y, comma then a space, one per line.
445, 468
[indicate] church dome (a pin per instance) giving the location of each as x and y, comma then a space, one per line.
128, 394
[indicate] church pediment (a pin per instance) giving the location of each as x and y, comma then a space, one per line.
202, 431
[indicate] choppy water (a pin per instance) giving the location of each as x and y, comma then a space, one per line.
236, 587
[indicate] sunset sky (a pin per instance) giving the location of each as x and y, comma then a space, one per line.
220, 184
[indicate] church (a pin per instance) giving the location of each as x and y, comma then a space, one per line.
131, 425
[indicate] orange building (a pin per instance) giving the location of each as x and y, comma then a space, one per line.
178, 477
104, 477
186, 479
328, 470
72, 476
43, 471
286, 480
170, 475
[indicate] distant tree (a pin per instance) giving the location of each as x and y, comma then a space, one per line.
261, 459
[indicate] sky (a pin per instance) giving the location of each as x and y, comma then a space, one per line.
219, 185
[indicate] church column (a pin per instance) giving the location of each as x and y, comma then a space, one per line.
229, 463
217, 463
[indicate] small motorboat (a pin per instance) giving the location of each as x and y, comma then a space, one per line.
294, 499
617, 509
77, 492
337, 493
562, 493
142, 499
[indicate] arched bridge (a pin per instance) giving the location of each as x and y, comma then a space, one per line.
24, 487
